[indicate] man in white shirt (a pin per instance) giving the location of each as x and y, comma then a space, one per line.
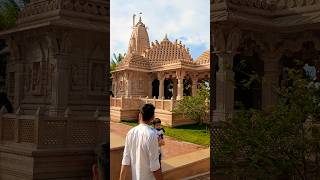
141, 149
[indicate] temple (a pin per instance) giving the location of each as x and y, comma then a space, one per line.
160, 73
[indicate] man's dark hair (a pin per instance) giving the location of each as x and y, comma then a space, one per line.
147, 112
156, 121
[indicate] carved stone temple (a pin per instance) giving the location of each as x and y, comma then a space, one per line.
56, 81
160, 73
269, 36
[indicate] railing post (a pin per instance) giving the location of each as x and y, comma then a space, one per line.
162, 103
171, 108
121, 102
16, 125
68, 121
1, 119
36, 126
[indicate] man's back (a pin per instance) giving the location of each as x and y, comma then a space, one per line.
141, 152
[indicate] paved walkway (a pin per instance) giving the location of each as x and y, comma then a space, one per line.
172, 147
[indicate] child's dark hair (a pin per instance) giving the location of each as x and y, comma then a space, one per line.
156, 121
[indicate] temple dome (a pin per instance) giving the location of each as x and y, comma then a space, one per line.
139, 40
204, 58
167, 51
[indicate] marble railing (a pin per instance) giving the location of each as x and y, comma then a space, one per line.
39, 131
136, 103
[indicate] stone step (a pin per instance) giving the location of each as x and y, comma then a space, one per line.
186, 165
203, 176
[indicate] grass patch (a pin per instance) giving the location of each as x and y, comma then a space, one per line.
197, 134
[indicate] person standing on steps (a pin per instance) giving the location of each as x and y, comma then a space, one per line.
141, 151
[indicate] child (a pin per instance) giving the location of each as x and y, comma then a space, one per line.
160, 131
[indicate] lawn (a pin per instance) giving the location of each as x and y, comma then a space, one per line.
197, 134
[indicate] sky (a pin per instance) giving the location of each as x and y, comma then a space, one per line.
186, 20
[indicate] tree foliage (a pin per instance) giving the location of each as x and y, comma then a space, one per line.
195, 107
9, 11
116, 59
280, 143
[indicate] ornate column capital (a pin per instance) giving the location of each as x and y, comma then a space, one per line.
161, 75
180, 74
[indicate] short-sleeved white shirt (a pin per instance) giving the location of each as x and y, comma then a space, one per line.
141, 152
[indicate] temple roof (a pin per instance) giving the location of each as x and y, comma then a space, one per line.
204, 58
167, 51
165, 54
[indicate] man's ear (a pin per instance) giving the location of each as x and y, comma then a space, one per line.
95, 172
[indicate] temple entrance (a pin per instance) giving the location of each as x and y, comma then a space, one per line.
306, 59
248, 71
168, 88
187, 87
155, 88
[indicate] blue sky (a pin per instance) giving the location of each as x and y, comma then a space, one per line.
186, 20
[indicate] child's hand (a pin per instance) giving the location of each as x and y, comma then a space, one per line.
161, 142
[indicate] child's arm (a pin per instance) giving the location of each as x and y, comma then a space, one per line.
161, 141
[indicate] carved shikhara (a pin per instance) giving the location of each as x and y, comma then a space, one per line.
144, 63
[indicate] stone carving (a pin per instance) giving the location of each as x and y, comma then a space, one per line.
75, 77
97, 77
35, 78
28, 77
90, 7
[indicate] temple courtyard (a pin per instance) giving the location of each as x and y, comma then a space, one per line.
182, 160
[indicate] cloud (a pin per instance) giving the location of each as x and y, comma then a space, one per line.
187, 20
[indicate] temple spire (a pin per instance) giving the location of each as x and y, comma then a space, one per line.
166, 37
140, 20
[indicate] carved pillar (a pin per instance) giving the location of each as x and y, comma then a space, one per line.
270, 81
180, 75
18, 91
60, 86
226, 40
174, 93
224, 86
161, 77
194, 80
127, 84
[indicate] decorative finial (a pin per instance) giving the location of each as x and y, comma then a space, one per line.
166, 37
140, 17
134, 18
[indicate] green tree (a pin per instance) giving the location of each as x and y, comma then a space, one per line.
280, 143
195, 107
9, 11
116, 59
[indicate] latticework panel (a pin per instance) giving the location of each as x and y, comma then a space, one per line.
158, 105
167, 105
83, 133
54, 133
8, 130
216, 139
26, 131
